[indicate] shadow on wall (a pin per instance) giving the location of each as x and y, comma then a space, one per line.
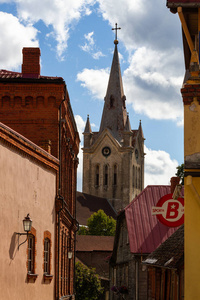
13, 246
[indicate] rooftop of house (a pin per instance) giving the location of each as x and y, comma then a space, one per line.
87, 204
10, 75
170, 254
94, 243
145, 231
30, 69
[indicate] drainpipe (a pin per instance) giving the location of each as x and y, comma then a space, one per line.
60, 197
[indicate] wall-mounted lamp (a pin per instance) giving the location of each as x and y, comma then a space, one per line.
27, 223
69, 253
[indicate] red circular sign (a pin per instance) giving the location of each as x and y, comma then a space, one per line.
169, 211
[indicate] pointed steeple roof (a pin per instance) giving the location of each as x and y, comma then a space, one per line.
87, 126
127, 127
140, 130
114, 112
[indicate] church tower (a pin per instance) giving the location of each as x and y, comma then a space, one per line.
113, 158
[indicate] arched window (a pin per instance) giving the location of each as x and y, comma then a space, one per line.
31, 254
106, 175
136, 177
139, 178
97, 176
133, 178
115, 175
46, 256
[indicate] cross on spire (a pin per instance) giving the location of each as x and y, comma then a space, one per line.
116, 28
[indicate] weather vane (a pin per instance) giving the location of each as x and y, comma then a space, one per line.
116, 28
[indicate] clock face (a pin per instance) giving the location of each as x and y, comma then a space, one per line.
106, 151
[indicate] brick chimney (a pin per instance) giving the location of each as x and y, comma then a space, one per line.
31, 63
174, 181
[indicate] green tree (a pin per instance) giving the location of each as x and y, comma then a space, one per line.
87, 283
101, 224
180, 173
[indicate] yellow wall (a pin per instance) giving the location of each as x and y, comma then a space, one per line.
192, 189
192, 238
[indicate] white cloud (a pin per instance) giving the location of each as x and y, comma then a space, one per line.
14, 36
90, 46
80, 126
159, 167
58, 15
152, 84
95, 81
143, 23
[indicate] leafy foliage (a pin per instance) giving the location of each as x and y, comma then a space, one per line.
87, 283
180, 173
99, 224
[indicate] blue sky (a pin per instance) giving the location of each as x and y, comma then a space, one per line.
76, 43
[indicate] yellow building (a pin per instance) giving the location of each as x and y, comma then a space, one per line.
189, 14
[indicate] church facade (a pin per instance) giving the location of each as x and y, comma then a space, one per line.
113, 157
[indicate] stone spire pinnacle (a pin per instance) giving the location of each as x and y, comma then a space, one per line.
114, 112
87, 126
127, 126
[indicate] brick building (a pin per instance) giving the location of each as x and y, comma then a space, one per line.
38, 107
94, 252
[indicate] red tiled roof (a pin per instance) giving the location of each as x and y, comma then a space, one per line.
5, 74
145, 232
94, 243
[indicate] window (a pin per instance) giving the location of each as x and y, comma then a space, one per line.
47, 256
115, 175
97, 176
139, 178
106, 175
136, 172
31, 254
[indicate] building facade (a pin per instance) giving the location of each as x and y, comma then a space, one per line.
189, 14
28, 185
113, 158
138, 233
38, 107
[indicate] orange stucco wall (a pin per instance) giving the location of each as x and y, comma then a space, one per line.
26, 186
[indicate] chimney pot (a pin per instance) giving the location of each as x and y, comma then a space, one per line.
31, 63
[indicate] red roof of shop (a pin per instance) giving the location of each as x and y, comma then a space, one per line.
145, 232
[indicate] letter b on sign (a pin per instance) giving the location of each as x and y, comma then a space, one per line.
172, 210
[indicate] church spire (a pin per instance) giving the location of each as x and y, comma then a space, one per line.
114, 112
